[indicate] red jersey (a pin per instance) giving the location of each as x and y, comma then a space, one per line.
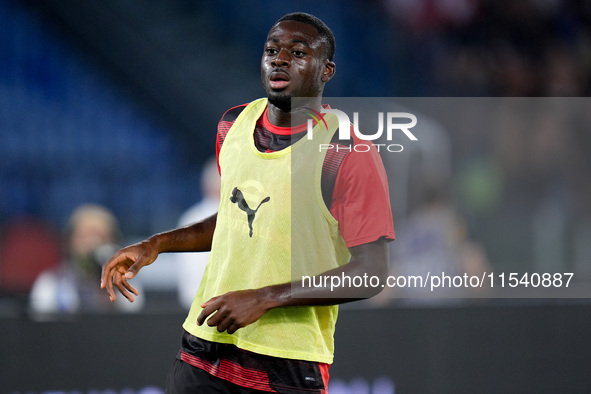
354, 183
355, 189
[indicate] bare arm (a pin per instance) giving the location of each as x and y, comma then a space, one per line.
238, 309
127, 262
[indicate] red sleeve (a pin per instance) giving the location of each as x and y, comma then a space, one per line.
218, 147
361, 201
217, 151
224, 126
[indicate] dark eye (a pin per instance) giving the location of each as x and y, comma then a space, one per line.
271, 51
298, 53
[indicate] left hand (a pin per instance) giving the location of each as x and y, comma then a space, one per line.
233, 310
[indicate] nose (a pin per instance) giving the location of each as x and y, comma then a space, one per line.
282, 59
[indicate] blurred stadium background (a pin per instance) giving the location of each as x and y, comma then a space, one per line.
116, 103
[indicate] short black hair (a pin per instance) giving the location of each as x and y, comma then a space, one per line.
323, 31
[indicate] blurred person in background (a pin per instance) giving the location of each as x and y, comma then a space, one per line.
91, 237
192, 265
435, 241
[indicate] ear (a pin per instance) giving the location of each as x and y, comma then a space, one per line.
329, 70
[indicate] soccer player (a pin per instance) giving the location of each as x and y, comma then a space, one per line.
285, 205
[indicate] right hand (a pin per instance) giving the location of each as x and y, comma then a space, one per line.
124, 265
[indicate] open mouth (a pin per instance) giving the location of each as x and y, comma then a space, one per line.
278, 80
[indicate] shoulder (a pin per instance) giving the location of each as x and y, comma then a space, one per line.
231, 114
355, 156
226, 122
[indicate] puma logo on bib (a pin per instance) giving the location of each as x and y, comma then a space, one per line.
238, 199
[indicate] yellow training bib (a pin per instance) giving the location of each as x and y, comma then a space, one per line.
272, 218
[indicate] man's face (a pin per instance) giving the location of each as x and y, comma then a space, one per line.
294, 63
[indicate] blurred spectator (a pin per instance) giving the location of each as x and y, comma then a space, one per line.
482, 48
434, 240
91, 237
564, 73
192, 265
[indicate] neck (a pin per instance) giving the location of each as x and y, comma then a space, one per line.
297, 115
